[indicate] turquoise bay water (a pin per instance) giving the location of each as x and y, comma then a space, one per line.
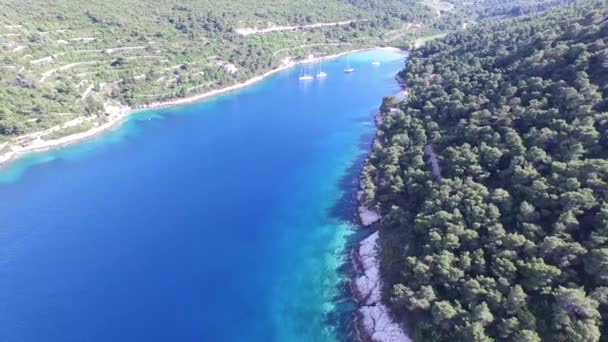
225, 220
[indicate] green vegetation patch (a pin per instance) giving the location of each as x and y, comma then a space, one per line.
508, 240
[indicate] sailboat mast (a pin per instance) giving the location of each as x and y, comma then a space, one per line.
348, 68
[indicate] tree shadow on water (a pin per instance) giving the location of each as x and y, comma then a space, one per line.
345, 210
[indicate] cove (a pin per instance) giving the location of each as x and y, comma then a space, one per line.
223, 220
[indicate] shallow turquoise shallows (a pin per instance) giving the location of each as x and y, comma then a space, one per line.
224, 220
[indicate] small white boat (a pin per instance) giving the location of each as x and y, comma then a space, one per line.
376, 63
321, 73
348, 68
304, 75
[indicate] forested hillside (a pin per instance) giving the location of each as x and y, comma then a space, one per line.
62, 59
507, 239
469, 12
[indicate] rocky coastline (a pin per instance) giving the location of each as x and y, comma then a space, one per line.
373, 319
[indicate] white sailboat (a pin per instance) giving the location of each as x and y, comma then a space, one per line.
321, 73
348, 68
304, 75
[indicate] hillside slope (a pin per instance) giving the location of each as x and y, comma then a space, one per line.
509, 239
61, 59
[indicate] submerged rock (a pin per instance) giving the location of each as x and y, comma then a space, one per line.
375, 322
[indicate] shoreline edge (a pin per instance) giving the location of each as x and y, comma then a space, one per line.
117, 116
373, 319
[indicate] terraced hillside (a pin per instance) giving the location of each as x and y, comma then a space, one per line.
65, 65
63, 59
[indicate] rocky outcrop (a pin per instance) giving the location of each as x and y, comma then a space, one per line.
379, 326
368, 216
374, 320
367, 283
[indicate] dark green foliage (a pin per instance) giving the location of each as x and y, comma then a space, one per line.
510, 241
405, 10
482, 10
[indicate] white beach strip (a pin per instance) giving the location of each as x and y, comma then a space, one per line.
118, 113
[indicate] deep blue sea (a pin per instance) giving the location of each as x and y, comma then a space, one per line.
223, 220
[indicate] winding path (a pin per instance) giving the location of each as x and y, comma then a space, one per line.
248, 30
435, 168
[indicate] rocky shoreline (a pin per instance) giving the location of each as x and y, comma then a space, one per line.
116, 114
373, 319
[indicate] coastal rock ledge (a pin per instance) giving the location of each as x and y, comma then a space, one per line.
374, 320
367, 216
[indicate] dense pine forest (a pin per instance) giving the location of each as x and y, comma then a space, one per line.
506, 238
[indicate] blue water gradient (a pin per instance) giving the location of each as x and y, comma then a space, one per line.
223, 220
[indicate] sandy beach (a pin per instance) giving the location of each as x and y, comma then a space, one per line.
116, 115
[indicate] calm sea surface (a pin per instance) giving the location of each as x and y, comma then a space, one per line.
224, 220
